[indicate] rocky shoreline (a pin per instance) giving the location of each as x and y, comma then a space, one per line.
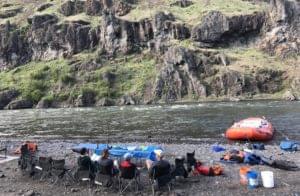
228, 184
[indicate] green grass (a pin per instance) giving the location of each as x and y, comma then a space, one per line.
193, 14
36, 79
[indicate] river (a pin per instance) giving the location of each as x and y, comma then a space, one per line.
194, 121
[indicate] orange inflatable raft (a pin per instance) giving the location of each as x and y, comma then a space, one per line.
251, 129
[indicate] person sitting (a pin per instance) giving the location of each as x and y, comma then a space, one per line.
160, 167
106, 165
127, 168
85, 163
152, 158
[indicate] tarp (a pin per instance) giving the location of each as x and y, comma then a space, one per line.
119, 150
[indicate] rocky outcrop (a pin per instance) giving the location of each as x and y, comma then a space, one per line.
20, 104
182, 75
105, 102
7, 96
283, 38
216, 28
289, 96
10, 13
269, 81
86, 99
72, 7
14, 49
127, 100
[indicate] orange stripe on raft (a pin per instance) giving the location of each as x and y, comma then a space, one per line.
244, 133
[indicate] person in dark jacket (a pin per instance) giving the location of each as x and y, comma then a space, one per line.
160, 167
85, 163
106, 165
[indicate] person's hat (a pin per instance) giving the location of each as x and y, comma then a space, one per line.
159, 152
127, 156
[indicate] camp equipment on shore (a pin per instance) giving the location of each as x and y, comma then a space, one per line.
288, 145
217, 148
243, 175
138, 152
252, 178
250, 129
267, 179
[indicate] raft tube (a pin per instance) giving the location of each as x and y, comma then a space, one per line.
254, 129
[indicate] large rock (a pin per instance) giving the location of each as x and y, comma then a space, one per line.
289, 96
182, 3
106, 102
20, 104
7, 96
14, 49
44, 103
283, 38
42, 21
269, 81
72, 7
216, 28
86, 99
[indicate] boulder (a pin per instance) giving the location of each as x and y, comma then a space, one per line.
7, 96
44, 103
122, 8
20, 104
289, 96
105, 102
127, 100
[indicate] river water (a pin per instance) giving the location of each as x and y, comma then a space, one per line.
195, 121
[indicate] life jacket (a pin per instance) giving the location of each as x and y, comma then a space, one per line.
214, 170
234, 156
31, 146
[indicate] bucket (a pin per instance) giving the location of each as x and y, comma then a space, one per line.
252, 177
267, 179
243, 175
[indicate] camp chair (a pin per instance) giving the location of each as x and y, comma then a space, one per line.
83, 175
128, 177
160, 181
179, 171
60, 172
191, 161
44, 167
104, 176
27, 160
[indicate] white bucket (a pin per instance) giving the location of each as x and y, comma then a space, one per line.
267, 179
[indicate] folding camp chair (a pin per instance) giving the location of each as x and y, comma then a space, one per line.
128, 177
60, 172
44, 167
27, 160
83, 175
158, 182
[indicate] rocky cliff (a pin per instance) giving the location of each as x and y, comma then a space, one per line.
85, 53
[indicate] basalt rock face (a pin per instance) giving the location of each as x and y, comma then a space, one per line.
20, 104
50, 40
181, 75
283, 38
14, 49
216, 28
72, 7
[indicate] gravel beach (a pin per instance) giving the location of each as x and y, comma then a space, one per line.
12, 182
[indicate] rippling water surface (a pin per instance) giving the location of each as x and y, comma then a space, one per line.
189, 121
